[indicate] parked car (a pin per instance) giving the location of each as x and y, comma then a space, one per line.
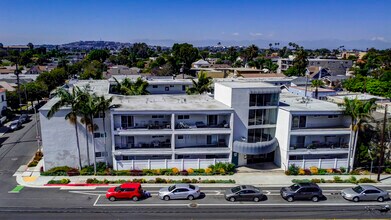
180, 191
23, 118
302, 191
132, 191
364, 192
15, 125
245, 192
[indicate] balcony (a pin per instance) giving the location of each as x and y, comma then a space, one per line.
200, 124
318, 148
320, 131
143, 145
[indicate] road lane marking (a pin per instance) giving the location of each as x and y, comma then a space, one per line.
97, 198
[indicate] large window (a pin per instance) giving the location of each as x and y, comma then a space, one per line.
299, 121
126, 121
264, 99
260, 134
262, 116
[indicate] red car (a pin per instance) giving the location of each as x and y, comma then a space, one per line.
125, 191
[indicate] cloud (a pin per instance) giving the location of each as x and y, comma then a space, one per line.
256, 34
378, 39
235, 34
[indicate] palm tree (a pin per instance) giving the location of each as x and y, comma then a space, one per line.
127, 87
316, 83
202, 85
68, 99
103, 105
360, 113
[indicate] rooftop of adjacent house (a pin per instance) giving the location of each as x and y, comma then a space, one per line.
154, 80
7, 86
292, 102
100, 87
311, 89
360, 96
236, 84
201, 62
168, 103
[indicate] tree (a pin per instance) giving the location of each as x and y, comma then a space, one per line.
99, 55
232, 54
30, 45
53, 79
184, 53
301, 61
103, 105
202, 85
1, 46
68, 99
35, 90
360, 113
140, 50
93, 70
316, 83
127, 87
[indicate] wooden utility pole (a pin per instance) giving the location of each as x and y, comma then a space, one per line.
381, 159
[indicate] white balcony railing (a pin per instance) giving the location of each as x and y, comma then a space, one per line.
320, 163
181, 164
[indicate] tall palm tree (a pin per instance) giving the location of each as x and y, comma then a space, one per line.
103, 105
127, 87
360, 113
68, 99
316, 83
202, 85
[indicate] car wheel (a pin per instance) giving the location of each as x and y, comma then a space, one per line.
232, 199
380, 199
190, 197
356, 199
256, 199
289, 198
135, 198
315, 199
166, 198
112, 198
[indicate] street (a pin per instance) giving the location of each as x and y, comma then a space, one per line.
18, 148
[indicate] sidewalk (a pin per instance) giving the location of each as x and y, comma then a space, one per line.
30, 177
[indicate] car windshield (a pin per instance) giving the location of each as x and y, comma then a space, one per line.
358, 189
294, 187
236, 189
171, 188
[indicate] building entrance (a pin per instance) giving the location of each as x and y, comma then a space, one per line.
260, 158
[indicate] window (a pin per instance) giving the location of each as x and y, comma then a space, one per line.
183, 116
157, 116
126, 121
129, 189
171, 85
2, 98
167, 88
260, 134
183, 88
299, 121
180, 137
262, 116
264, 99
99, 135
100, 154
155, 86
371, 191
99, 115
333, 116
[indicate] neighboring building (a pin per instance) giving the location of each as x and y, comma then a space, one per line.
122, 70
256, 106
310, 92
20, 48
334, 66
311, 133
200, 64
3, 99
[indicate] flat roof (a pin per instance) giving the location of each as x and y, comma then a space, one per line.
167, 103
311, 89
100, 87
292, 102
235, 84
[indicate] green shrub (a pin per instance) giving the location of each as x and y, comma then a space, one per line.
186, 181
366, 180
342, 169
194, 181
337, 179
387, 170
148, 172
57, 171
160, 180
316, 180
62, 181
293, 170
33, 163
322, 171
218, 167
301, 181
352, 179
139, 181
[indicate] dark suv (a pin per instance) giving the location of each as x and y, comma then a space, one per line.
302, 191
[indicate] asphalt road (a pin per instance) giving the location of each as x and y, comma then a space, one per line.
18, 147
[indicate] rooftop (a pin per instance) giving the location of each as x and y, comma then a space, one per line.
167, 103
236, 84
100, 87
291, 102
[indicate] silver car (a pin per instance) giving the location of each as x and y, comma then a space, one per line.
364, 192
180, 191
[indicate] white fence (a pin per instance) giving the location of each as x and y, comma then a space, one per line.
320, 163
181, 164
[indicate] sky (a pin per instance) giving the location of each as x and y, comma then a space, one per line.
64, 21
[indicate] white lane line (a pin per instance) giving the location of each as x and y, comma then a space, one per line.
86, 193
267, 192
78, 188
96, 201
143, 205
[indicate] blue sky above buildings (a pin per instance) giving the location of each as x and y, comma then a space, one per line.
198, 21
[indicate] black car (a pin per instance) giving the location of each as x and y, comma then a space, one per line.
302, 191
245, 192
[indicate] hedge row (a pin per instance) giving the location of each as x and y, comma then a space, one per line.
156, 180
336, 179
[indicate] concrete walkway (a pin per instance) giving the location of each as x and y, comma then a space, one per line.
30, 177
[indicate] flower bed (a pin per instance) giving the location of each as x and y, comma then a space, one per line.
102, 170
295, 170
62, 181
37, 157
336, 179
156, 180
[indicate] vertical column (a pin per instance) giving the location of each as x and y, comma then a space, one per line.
231, 137
198, 163
303, 165
320, 163
335, 163
112, 136
182, 164
149, 164
173, 136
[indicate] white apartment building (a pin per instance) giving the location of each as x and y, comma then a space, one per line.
335, 66
256, 106
311, 132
